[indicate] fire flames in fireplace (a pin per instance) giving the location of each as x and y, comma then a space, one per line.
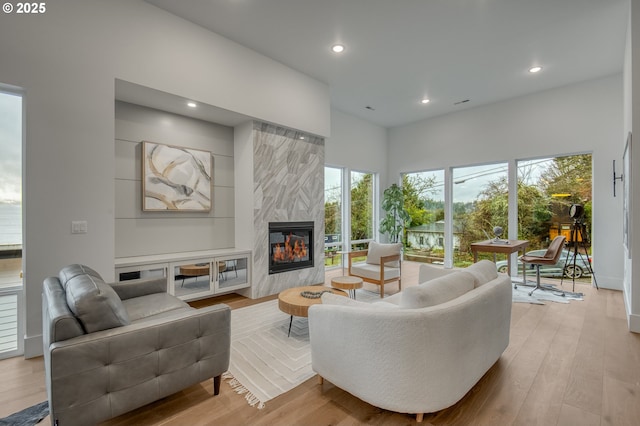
290, 252
290, 246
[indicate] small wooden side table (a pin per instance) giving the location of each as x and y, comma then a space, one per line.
292, 302
504, 246
349, 283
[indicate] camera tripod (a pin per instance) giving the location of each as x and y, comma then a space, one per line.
577, 237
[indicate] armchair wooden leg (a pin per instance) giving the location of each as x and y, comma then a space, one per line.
381, 290
320, 380
216, 384
419, 417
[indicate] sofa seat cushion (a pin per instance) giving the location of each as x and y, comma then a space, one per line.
437, 291
94, 303
372, 272
140, 308
483, 271
377, 250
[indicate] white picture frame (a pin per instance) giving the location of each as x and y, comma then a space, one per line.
175, 178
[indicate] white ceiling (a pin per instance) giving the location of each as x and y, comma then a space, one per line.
399, 51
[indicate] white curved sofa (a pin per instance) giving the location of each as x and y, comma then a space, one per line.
420, 350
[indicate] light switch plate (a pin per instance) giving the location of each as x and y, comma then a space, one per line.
79, 227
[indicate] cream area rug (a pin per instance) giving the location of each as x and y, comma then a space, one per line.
266, 363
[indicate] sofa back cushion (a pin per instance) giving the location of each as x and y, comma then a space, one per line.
437, 291
429, 272
377, 250
484, 271
95, 303
70, 271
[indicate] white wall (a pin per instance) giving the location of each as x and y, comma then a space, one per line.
140, 233
358, 145
580, 118
67, 60
631, 121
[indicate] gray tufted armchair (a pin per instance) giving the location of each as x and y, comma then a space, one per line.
111, 348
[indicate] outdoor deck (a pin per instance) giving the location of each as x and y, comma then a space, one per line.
9, 280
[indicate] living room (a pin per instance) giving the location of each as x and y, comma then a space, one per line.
69, 62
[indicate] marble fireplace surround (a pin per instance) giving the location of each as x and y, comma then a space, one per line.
288, 186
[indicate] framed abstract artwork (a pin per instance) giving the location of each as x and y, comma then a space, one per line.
175, 178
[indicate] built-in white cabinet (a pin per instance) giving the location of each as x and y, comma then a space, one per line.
192, 275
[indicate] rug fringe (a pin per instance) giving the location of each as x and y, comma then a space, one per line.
239, 388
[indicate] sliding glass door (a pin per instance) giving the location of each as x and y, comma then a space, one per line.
11, 292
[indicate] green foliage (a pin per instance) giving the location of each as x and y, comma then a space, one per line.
534, 214
568, 181
332, 217
397, 216
416, 190
362, 208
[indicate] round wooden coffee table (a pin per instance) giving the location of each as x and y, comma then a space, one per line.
292, 302
197, 270
349, 283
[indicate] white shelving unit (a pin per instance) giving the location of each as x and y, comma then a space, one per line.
192, 275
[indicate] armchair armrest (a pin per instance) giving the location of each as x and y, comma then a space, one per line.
140, 287
391, 258
356, 253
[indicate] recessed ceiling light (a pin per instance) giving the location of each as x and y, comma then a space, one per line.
535, 69
301, 138
337, 48
425, 101
192, 104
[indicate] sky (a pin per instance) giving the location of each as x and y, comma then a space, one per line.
10, 148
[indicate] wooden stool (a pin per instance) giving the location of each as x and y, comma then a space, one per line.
351, 284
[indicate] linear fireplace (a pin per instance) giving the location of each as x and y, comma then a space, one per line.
290, 246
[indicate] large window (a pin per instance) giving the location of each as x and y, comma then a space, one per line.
424, 201
332, 216
349, 212
547, 188
480, 203
362, 209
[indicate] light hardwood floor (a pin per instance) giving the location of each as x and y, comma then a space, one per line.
573, 364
